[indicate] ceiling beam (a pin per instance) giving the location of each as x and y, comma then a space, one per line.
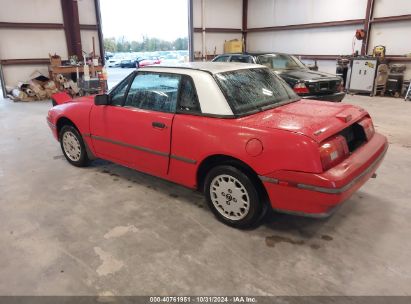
25, 25
89, 27
218, 30
318, 57
391, 19
397, 58
306, 26
27, 61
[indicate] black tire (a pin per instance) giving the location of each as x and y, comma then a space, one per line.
75, 157
256, 207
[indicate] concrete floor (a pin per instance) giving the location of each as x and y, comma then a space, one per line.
106, 229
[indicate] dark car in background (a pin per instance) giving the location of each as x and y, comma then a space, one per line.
305, 82
131, 63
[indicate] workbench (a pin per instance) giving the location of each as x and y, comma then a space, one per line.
69, 69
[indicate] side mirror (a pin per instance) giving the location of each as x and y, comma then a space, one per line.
102, 100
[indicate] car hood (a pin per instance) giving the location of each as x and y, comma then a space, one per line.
315, 119
305, 74
88, 98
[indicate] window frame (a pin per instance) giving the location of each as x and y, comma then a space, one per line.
153, 72
178, 111
130, 79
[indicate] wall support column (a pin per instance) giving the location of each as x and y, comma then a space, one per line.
367, 26
244, 29
190, 30
100, 30
72, 27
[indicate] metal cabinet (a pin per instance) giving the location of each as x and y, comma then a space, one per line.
362, 77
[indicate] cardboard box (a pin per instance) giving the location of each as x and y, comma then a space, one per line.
55, 60
233, 46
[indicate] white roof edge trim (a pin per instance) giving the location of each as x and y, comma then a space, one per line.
208, 67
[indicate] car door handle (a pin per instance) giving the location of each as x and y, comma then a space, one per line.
158, 125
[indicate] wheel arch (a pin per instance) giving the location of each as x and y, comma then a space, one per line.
221, 159
64, 121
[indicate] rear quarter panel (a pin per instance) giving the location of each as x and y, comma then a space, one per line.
196, 138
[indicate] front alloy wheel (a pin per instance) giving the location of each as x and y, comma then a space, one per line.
233, 197
73, 146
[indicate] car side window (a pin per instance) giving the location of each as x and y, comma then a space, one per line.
245, 59
119, 93
265, 60
188, 102
154, 91
221, 59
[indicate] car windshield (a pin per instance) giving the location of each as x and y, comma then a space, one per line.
280, 62
253, 90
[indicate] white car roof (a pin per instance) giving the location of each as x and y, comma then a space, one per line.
211, 98
210, 67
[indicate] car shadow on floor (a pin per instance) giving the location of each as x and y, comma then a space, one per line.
298, 227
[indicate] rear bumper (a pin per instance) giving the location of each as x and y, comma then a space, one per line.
336, 97
318, 195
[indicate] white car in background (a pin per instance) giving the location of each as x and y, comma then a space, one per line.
114, 62
172, 59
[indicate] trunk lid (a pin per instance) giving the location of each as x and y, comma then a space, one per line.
306, 74
317, 82
315, 119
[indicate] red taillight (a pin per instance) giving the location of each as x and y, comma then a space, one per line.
300, 88
340, 87
333, 151
368, 127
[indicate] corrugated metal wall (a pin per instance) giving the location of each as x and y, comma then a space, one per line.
30, 30
281, 26
218, 14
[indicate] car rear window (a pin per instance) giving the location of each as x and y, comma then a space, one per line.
280, 62
245, 59
253, 90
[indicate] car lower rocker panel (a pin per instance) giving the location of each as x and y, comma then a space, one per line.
176, 157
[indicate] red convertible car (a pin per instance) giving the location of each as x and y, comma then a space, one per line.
235, 131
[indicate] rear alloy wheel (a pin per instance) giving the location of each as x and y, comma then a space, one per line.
73, 146
233, 197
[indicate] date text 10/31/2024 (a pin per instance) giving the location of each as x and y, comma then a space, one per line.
203, 299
